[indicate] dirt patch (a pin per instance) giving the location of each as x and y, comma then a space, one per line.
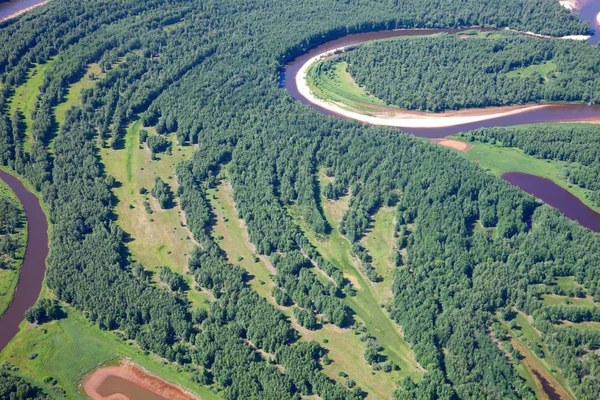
453, 144
131, 378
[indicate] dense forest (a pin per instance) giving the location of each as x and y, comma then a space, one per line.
12, 224
452, 72
574, 144
208, 71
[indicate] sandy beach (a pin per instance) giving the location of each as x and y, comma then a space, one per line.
406, 119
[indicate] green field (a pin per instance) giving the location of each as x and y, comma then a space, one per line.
69, 348
25, 96
555, 300
380, 242
338, 86
370, 298
73, 97
500, 160
156, 239
545, 70
10, 277
344, 347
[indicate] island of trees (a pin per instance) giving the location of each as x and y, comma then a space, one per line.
451, 72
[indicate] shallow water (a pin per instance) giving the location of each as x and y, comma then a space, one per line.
113, 384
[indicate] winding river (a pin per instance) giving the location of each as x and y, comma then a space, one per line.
438, 127
34, 264
33, 267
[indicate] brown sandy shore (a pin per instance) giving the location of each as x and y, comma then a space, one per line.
453, 144
23, 10
389, 116
127, 370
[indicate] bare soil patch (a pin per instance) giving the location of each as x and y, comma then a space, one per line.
453, 144
140, 379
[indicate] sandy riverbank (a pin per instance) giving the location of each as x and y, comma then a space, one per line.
17, 13
405, 119
139, 380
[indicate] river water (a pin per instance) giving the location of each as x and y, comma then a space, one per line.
32, 270
543, 189
557, 197
11, 7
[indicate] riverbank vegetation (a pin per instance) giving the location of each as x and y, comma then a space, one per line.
13, 240
204, 74
564, 153
452, 72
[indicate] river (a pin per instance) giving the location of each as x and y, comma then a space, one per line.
10, 8
33, 268
557, 197
543, 189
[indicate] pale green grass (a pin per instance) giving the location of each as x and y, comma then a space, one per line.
341, 88
367, 304
70, 348
500, 160
566, 282
343, 346
544, 69
380, 242
73, 97
25, 96
554, 300
10, 277
157, 239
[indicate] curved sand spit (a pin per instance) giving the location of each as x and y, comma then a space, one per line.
406, 119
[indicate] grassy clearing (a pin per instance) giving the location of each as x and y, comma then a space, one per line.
370, 299
339, 87
380, 242
235, 241
555, 300
25, 96
545, 70
537, 366
566, 282
344, 347
9, 278
73, 97
500, 160
159, 238
70, 348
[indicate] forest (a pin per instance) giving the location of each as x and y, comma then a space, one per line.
451, 72
573, 144
207, 72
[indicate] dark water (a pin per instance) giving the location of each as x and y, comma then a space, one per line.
552, 113
32, 270
11, 7
589, 12
113, 385
557, 197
